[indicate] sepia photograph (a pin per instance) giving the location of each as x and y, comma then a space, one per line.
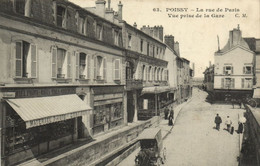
130, 82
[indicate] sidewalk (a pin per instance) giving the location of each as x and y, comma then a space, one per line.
166, 129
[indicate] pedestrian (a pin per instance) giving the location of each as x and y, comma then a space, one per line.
228, 123
166, 113
171, 117
240, 103
240, 128
218, 121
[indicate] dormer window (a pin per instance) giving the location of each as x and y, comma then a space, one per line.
99, 32
23, 7
61, 18
81, 25
116, 37
129, 41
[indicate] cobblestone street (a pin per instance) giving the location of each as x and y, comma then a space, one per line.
193, 139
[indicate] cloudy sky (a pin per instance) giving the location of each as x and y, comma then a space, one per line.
197, 36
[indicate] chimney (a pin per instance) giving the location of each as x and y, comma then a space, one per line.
108, 4
177, 48
160, 33
235, 37
135, 25
169, 40
120, 12
100, 8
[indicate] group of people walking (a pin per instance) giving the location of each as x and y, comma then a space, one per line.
228, 122
169, 114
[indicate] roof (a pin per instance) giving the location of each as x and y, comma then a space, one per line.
251, 43
149, 133
43, 110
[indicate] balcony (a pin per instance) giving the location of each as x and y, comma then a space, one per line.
134, 84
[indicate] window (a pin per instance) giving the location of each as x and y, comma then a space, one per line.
148, 49
116, 38
153, 51
61, 63
141, 45
247, 69
100, 68
82, 66
158, 74
155, 74
61, 18
227, 70
157, 51
129, 41
25, 60
116, 111
99, 32
20, 6
149, 74
129, 71
117, 69
81, 25
228, 83
144, 73
247, 82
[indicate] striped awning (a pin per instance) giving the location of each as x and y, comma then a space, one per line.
44, 110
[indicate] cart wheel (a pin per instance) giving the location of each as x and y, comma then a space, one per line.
252, 103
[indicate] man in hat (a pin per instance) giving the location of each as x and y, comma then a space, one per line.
218, 121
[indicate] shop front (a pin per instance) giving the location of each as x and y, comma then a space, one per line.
35, 124
153, 100
108, 108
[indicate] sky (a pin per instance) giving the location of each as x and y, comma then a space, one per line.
197, 36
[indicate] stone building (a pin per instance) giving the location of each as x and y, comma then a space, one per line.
62, 79
234, 67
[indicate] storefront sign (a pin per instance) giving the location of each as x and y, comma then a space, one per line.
8, 94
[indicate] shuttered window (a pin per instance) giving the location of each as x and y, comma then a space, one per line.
88, 66
69, 75
117, 69
33, 61
77, 65
54, 63
18, 59
104, 68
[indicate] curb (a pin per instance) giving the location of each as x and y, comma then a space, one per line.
164, 137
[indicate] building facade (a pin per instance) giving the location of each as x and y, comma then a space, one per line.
63, 77
234, 64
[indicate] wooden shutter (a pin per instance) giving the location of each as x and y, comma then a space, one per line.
77, 65
117, 69
88, 66
243, 83
18, 59
54, 63
224, 70
68, 65
233, 82
104, 68
33, 61
95, 68
222, 82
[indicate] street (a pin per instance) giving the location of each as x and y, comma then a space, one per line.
193, 140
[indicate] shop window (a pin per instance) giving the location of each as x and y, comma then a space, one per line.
141, 45
247, 82
100, 115
99, 68
129, 41
116, 37
247, 69
99, 32
116, 111
227, 70
61, 18
25, 60
61, 63
117, 69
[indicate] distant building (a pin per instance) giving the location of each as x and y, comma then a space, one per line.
208, 81
234, 67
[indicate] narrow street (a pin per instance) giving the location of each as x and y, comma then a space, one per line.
194, 141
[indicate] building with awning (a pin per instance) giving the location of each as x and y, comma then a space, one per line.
44, 110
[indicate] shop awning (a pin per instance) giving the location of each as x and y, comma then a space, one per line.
256, 93
43, 110
156, 89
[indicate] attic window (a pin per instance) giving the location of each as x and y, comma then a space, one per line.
61, 16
